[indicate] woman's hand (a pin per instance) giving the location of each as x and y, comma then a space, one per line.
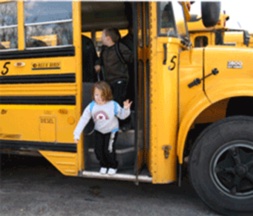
127, 104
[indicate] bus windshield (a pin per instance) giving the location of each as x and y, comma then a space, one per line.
180, 19
171, 21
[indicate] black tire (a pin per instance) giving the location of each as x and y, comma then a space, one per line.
221, 166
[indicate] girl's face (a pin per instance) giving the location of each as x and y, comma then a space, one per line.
98, 97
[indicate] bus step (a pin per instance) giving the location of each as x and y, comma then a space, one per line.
125, 156
117, 176
125, 138
125, 150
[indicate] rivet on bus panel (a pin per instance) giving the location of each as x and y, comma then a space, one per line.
63, 111
71, 120
19, 64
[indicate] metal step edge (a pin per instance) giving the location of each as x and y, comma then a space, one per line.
117, 176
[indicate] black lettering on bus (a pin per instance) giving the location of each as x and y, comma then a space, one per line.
173, 63
5, 68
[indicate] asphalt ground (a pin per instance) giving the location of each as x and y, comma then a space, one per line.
31, 186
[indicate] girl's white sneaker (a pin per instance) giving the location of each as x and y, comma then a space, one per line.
103, 170
112, 171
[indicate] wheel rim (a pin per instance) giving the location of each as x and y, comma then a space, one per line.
232, 169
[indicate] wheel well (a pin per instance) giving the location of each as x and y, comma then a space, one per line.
192, 136
235, 106
240, 106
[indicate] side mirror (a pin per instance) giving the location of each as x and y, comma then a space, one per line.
210, 13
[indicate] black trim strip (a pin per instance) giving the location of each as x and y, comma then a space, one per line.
43, 78
38, 100
36, 146
38, 53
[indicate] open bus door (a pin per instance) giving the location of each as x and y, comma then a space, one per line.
138, 68
130, 144
140, 26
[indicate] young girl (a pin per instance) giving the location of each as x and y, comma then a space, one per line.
104, 112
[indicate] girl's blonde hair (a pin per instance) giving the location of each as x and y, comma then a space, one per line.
104, 88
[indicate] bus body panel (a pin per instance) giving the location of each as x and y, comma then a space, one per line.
163, 106
65, 162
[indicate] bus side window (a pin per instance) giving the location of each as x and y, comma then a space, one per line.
2, 46
8, 25
48, 23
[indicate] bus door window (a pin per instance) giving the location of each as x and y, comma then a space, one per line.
48, 23
8, 25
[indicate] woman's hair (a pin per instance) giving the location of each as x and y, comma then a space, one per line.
104, 88
113, 33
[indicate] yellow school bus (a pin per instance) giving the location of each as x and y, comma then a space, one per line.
202, 36
237, 38
192, 106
